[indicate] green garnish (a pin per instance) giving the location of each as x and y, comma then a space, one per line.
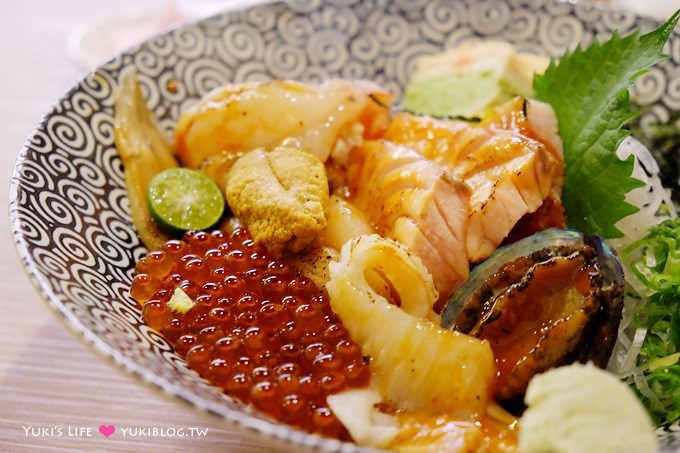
661, 362
181, 199
655, 261
588, 89
659, 356
180, 302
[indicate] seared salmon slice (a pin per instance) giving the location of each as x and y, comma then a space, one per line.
536, 120
417, 202
509, 173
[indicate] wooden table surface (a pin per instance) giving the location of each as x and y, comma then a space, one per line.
48, 379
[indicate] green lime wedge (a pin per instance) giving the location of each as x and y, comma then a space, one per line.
181, 199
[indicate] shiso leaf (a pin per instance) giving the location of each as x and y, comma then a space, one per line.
588, 89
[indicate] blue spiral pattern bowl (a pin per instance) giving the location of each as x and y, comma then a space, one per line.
69, 208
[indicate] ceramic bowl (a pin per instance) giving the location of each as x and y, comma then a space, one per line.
69, 209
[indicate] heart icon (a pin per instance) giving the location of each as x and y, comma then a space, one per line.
107, 430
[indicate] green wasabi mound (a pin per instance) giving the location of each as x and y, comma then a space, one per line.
470, 79
457, 94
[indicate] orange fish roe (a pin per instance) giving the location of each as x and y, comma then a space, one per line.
259, 330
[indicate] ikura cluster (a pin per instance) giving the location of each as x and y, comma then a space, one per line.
258, 329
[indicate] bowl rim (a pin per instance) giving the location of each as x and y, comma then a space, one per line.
280, 432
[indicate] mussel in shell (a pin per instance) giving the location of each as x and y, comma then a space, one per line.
547, 300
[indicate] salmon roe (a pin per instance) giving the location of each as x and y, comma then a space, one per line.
259, 330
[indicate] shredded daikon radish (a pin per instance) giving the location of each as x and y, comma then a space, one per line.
653, 200
641, 384
630, 358
655, 204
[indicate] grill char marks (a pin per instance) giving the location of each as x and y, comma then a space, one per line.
416, 202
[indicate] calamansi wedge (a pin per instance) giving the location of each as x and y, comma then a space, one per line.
181, 199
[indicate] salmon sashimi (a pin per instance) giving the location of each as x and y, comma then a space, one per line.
417, 202
536, 120
509, 173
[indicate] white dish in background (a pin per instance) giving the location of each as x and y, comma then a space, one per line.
100, 39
